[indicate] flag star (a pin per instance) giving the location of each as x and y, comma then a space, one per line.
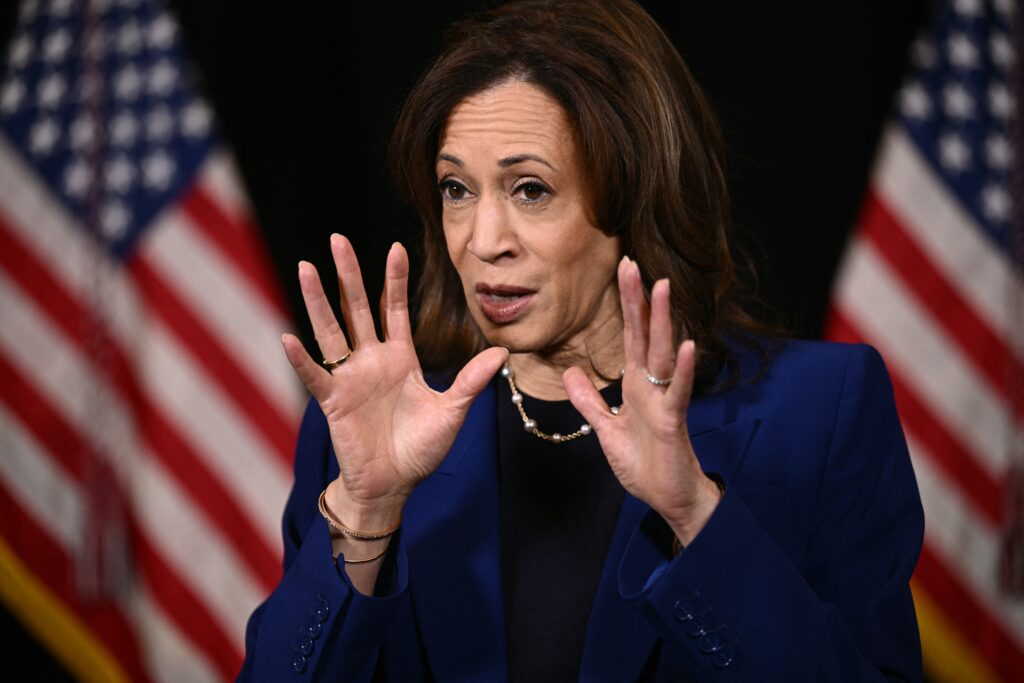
968, 8
20, 51
962, 52
56, 45
998, 153
914, 101
29, 9
162, 78
161, 31
158, 170
43, 136
995, 203
923, 53
77, 178
159, 124
128, 83
1004, 7
954, 153
50, 90
1000, 102
957, 102
129, 38
1000, 49
196, 120
124, 128
12, 96
114, 220
83, 133
119, 174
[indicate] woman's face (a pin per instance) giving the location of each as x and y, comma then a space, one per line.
538, 275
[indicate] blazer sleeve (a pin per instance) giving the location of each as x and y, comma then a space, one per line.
738, 607
316, 624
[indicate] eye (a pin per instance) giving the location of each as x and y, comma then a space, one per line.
532, 190
452, 190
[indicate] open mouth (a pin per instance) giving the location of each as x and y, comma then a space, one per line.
503, 303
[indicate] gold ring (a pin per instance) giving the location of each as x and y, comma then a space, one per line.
332, 364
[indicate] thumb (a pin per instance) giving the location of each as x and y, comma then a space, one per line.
472, 379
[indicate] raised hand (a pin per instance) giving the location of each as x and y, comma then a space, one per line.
647, 443
388, 427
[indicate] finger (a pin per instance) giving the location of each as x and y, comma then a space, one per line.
354, 304
660, 344
394, 307
678, 395
329, 336
586, 398
316, 379
634, 315
472, 379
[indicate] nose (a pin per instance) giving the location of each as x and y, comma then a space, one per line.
493, 235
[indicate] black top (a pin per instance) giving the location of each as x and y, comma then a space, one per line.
559, 505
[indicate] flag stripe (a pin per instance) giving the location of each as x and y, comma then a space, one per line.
874, 299
952, 240
168, 654
188, 466
217, 362
979, 342
237, 242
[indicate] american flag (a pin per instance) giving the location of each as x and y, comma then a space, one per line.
933, 278
147, 412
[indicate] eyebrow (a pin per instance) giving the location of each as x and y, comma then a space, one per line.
504, 163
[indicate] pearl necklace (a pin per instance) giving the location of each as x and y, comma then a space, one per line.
530, 424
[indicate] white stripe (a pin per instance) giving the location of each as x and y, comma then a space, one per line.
201, 555
54, 501
948, 234
876, 302
197, 552
247, 465
221, 179
169, 657
965, 542
40, 486
214, 289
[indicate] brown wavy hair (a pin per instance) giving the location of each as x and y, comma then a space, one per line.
649, 141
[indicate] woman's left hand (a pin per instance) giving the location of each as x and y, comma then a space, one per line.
647, 443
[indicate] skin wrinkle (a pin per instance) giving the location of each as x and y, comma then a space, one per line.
551, 245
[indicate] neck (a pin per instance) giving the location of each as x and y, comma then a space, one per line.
600, 355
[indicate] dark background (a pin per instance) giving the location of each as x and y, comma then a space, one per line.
307, 94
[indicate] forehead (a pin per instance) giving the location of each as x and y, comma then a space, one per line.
513, 117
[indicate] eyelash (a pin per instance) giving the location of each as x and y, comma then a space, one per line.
446, 185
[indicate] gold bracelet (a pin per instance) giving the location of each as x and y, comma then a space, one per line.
335, 523
369, 559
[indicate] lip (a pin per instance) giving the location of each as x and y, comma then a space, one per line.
503, 304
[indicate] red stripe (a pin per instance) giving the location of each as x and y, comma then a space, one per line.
215, 359
237, 240
982, 346
187, 611
185, 464
974, 623
54, 568
948, 452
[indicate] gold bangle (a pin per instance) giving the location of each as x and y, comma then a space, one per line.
369, 559
335, 523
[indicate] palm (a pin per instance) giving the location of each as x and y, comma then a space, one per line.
389, 429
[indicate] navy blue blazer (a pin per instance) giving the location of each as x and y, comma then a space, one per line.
801, 574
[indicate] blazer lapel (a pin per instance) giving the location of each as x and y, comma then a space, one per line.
619, 640
453, 544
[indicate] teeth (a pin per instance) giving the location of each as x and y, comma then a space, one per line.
503, 299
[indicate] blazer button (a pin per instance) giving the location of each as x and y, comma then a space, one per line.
311, 630
320, 613
682, 611
299, 664
723, 658
709, 643
304, 646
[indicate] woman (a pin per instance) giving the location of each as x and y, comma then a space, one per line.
681, 505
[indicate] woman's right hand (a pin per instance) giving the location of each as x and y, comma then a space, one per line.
388, 427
